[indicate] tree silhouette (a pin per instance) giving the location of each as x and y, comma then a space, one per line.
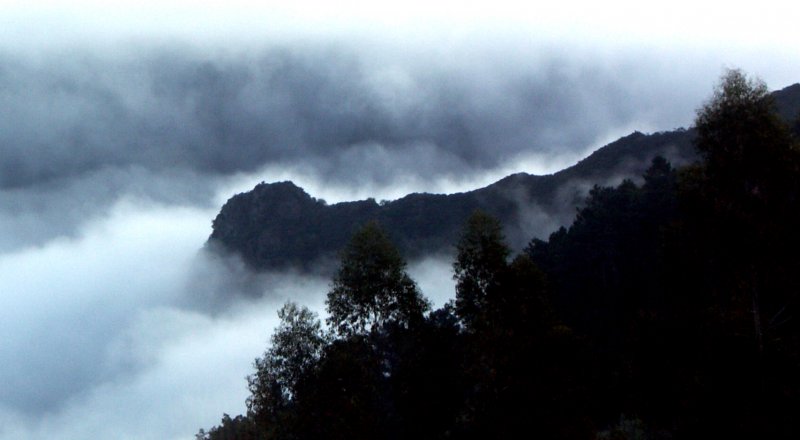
297, 345
371, 287
479, 267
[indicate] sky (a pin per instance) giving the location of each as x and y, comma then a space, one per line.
124, 127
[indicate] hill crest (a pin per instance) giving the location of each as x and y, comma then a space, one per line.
279, 225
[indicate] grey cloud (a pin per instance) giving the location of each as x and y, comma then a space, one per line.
73, 113
59, 207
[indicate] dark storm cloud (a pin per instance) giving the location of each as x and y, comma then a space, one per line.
73, 113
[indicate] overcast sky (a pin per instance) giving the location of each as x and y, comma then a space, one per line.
125, 125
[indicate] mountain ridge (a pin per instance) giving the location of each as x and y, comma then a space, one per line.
279, 225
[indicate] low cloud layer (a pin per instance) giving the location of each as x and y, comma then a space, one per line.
63, 301
102, 336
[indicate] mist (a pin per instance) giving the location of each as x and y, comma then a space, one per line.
104, 337
109, 334
120, 146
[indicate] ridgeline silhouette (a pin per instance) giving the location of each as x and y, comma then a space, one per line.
278, 225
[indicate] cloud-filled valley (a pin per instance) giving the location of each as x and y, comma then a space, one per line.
101, 323
114, 163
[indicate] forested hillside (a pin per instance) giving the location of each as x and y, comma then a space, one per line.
278, 225
667, 309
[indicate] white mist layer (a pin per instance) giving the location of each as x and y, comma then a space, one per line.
98, 340
434, 277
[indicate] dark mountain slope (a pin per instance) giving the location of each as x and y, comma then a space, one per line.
788, 102
279, 225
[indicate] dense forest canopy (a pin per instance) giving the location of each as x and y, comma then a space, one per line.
667, 309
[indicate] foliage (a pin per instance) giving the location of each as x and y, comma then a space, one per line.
237, 428
749, 156
371, 288
667, 309
479, 266
297, 345
685, 284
